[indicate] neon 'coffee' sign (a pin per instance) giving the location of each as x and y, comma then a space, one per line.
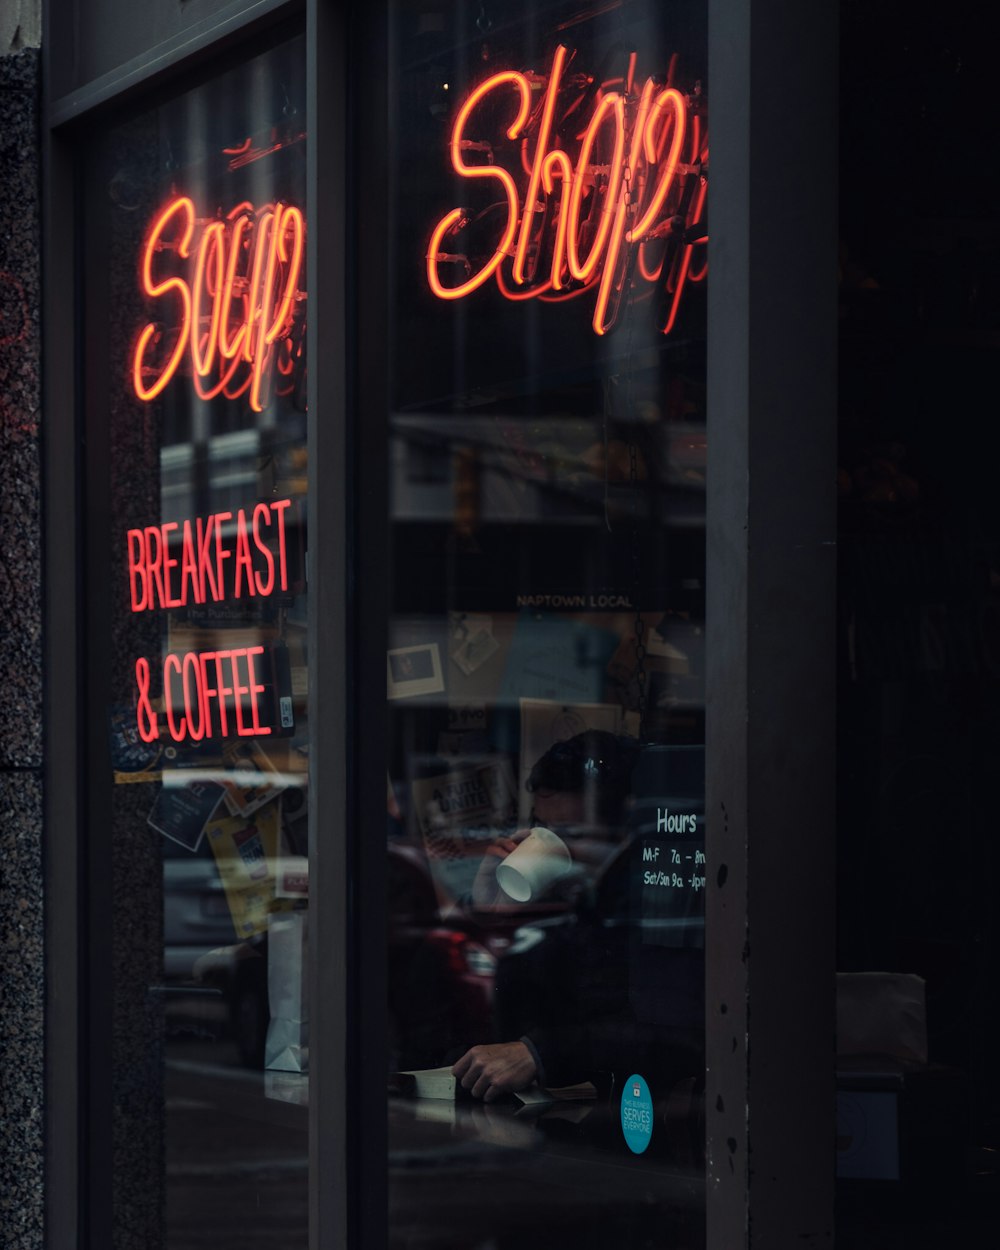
228, 288
608, 198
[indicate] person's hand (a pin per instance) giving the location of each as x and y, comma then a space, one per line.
485, 890
489, 1071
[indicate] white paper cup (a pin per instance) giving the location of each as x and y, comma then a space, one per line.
543, 857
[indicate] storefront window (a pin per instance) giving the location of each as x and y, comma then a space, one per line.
545, 667
197, 471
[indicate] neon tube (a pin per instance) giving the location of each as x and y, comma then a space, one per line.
458, 142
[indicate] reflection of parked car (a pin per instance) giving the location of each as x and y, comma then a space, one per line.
239, 974
196, 919
196, 914
441, 964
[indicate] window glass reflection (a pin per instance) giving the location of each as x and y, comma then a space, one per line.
195, 375
546, 863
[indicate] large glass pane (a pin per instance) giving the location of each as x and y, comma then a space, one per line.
545, 672
196, 489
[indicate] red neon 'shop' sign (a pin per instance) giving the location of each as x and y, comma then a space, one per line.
631, 176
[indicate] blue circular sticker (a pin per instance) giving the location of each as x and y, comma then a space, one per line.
637, 1114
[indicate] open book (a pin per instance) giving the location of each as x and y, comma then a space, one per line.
427, 1083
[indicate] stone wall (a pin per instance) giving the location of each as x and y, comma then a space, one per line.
21, 808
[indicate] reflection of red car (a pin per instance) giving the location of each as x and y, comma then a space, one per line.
441, 964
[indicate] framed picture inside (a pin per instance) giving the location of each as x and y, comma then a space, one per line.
412, 671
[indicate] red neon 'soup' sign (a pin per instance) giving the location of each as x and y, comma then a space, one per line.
231, 305
634, 178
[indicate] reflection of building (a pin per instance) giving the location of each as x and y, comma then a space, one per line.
498, 497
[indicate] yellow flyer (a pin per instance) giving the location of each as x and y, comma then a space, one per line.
246, 853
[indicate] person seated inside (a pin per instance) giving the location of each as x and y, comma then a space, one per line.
580, 790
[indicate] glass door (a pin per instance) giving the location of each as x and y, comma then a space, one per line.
545, 862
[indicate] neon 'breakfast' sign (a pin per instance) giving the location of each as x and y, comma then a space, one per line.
608, 198
229, 296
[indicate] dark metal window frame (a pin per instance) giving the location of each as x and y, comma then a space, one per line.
771, 532
772, 344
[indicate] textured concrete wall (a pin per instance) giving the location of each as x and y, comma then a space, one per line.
21, 949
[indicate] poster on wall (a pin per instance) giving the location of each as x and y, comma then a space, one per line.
458, 812
246, 854
182, 811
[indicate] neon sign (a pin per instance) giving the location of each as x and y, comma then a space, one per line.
608, 199
212, 693
201, 574
200, 691
232, 306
